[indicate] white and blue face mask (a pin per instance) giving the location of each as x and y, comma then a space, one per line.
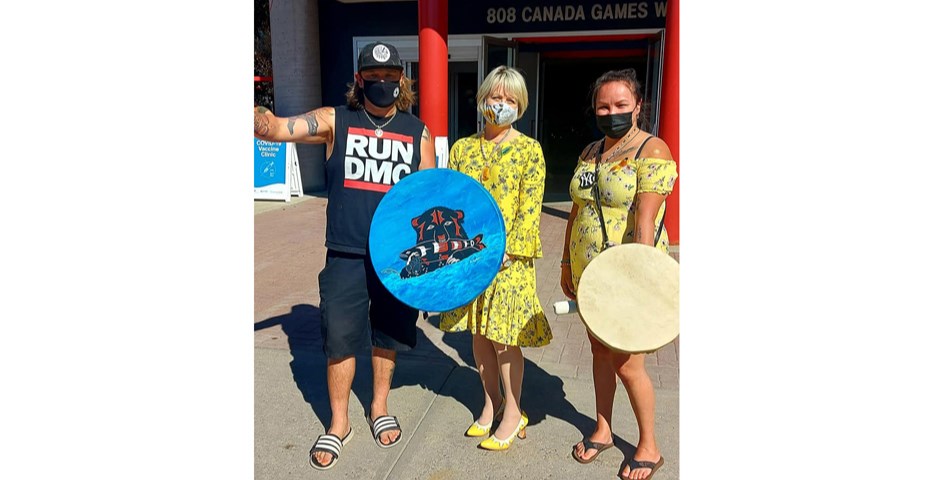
499, 114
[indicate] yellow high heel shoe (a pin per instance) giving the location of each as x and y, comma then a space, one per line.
479, 430
493, 443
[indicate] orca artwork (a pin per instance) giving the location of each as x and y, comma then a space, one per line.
441, 241
437, 240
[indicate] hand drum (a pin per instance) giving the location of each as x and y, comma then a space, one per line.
629, 298
437, 240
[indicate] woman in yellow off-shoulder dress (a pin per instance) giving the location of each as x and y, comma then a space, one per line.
508, 314
635, 172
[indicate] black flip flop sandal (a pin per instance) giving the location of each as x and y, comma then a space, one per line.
328, 443
587, 444
636, 464
383, 424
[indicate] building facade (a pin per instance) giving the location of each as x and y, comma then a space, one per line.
561, 47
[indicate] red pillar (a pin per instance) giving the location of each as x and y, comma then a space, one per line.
434, 73
670, 111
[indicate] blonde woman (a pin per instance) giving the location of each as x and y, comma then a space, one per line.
508, 315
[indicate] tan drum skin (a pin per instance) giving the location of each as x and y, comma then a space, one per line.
629, 298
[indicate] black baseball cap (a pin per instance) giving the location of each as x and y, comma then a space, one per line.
379, 55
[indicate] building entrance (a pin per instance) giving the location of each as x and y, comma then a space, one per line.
566, 116
566, 68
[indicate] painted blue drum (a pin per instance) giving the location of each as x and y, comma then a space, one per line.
437, 240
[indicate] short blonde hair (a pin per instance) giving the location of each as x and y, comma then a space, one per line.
510, 81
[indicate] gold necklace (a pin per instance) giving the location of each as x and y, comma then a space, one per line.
378, 129
486, 171
622, 144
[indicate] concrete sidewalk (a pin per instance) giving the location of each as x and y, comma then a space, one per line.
436, 392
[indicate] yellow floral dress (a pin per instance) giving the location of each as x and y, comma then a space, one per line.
508, 312
619, 182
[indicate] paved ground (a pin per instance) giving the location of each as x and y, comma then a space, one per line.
436, 393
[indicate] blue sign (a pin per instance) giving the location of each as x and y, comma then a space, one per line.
269, 163
271, 170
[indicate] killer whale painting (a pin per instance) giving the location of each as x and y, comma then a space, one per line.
437, 240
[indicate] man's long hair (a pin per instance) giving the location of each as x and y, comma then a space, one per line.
354, 97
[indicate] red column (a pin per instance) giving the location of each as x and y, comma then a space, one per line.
434, 73
670, 111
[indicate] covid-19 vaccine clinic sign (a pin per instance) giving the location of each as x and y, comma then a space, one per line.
271, 175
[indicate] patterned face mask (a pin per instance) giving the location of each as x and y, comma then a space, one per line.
500, 114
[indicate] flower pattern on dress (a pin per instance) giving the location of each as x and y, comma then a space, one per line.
619, 184
508, 311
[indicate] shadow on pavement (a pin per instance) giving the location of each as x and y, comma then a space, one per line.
542, 393
302, 328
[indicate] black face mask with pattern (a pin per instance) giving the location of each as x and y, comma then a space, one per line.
381, 94
615, 125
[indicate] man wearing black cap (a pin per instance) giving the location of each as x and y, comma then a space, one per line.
371, 144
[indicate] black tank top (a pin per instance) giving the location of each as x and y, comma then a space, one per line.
362, 168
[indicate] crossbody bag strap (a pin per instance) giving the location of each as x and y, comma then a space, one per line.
596, 197
641, 147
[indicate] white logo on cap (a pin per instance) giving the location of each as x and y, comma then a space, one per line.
396, 92
381, 53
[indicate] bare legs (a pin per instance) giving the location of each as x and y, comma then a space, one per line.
511, 367
604, 382
340, 374
500, 364
641, 393
487, 362
383, 362
606, 365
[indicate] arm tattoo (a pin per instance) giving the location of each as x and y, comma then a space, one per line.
638, 234
261, 110
311, 122
425, 133
261, 124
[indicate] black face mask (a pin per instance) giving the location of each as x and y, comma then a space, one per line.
382, 94
615, 125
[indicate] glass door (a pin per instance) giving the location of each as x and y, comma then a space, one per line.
528, 63
495, 52
412, 71
655, 59
463, 110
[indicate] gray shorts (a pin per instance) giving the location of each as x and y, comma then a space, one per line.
355, 307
